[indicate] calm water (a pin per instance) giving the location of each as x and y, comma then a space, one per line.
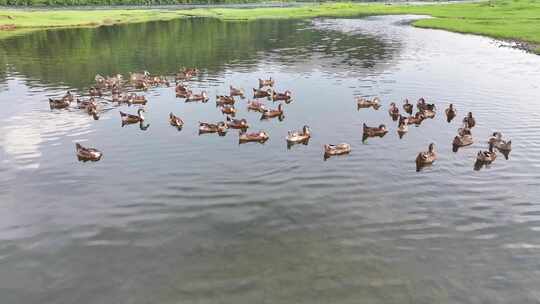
174, 217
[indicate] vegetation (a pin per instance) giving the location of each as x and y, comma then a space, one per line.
505, 19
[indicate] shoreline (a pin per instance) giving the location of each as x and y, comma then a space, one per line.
505, 20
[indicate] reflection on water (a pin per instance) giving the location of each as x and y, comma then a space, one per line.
169, 216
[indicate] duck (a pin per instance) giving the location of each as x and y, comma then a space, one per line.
339, 149
469, 120
137, 99
366, 103
393, 111
58, 103
137, 77
403, 126
100, 81
256, 106
450, 113
260, 137
237, 123
159, 80
236, 92
203, 96
258, 93
285, 96
421, 103
407, 107
186, 73
299, 136
182, 91
175, 121
141, 85
270, 113
129, 118
266, 82
381, 130
92, 110
115, 89
87, 154
228, 110
426, 157
219, 127
416, 119
462, 140
93, 91
499, 143
83, 104
224, 100
68, 97
486, 157
428, 110
115, 80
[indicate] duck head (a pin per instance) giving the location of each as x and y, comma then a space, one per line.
306, 130
431, 147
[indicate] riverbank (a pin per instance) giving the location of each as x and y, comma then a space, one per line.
515, 20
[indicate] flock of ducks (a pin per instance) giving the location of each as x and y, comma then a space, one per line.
427, 111
116, 90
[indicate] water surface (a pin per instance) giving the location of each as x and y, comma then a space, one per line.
174, 217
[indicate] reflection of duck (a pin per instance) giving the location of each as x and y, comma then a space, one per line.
426, 158
130, 119
450, 113
299, 137
87, 154
260, 137
175, 121
339, 149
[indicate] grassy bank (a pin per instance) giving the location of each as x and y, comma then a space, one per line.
505, 19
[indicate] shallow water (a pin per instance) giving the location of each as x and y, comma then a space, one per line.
174, 217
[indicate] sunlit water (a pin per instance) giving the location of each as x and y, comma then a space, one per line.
174, 217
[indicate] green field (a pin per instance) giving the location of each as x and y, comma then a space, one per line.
517, 20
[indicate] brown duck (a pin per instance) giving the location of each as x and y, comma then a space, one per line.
273, 113
237, 123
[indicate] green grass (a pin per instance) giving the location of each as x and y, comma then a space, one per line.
505, 19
